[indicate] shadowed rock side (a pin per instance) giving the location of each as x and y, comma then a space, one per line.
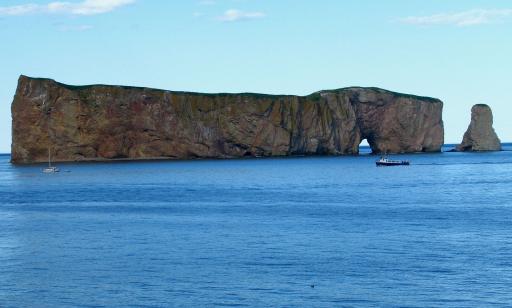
101, 122
480, 135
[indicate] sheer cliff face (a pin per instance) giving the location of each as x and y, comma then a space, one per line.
112, 122
480, 135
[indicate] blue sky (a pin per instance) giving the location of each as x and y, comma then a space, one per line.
458, 50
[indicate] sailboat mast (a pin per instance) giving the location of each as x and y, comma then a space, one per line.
49, 158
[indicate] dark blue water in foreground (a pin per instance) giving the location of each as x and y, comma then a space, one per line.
259, 232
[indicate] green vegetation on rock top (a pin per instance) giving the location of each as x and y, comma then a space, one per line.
314, 96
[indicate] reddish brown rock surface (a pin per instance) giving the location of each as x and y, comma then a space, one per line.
480, 135
100, 122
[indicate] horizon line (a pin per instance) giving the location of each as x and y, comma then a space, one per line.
367, 146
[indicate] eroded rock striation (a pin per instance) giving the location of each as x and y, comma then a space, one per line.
101, 122
480, 135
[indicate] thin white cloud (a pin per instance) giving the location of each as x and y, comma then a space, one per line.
461, 19
237, 15
18, 9
86, 7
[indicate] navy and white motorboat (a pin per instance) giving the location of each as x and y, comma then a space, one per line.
384, 161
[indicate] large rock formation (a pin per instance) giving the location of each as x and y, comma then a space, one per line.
480, 135
100, 122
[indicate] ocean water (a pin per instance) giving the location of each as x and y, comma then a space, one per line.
297, 232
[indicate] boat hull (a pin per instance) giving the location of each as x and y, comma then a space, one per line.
51, 170
399, 163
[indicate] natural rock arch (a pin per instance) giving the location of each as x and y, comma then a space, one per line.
101, 122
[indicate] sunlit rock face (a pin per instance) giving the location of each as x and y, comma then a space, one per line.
100, 122
480, 135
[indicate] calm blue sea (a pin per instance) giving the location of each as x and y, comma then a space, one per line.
259, 232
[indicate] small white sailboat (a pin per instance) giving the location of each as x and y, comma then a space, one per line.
50, 168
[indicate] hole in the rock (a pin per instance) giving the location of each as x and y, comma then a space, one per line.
364, 147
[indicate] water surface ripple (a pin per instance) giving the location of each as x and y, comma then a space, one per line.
259, 232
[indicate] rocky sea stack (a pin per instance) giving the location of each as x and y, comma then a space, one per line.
100, 122
480, 135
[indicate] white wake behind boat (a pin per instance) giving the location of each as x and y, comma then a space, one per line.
50, 168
